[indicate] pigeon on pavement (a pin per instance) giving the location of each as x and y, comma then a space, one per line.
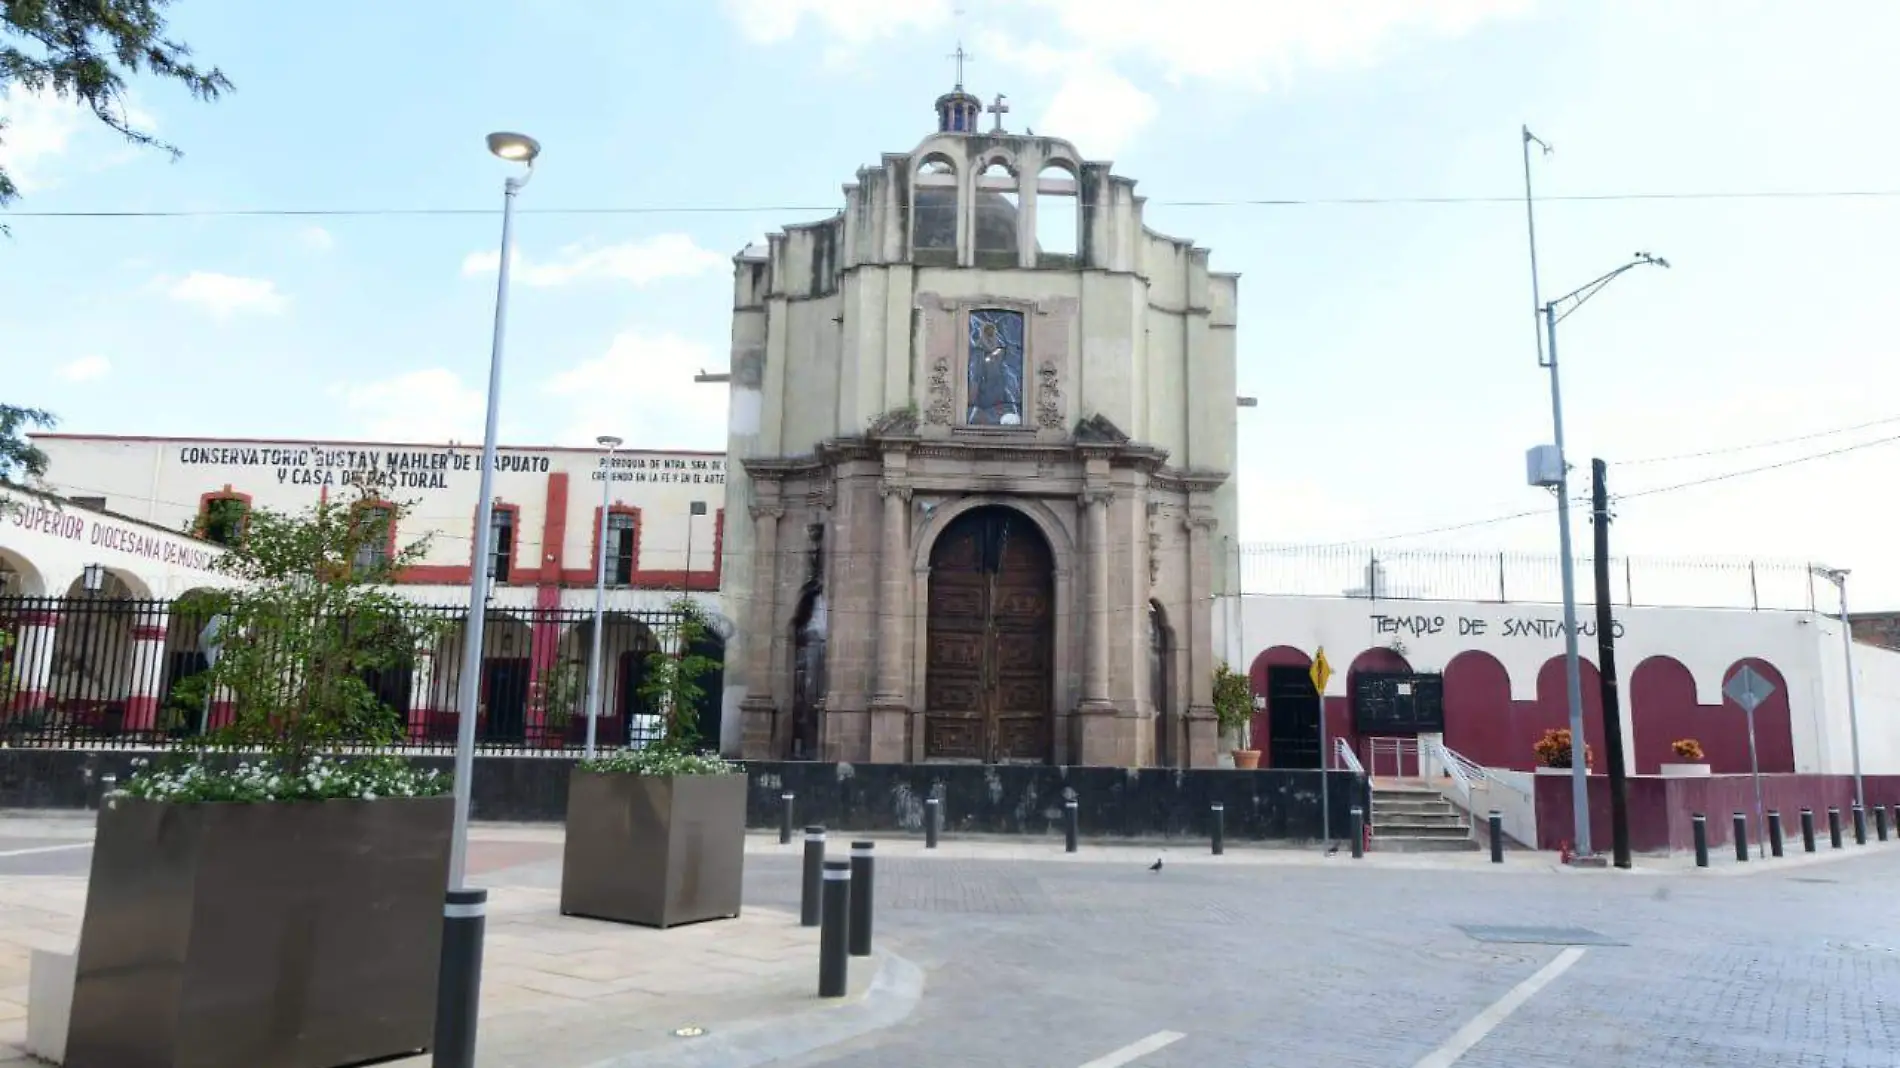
1332, 850
1156, 866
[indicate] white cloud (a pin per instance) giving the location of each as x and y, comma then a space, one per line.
316, 239
642, 389
86, 369
225, 295
1097, 110
428, 405
639, 262
39, 129
848, 22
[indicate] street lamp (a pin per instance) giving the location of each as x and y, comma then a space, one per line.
1549, 468
520, 149
1838, 576
93, 577
610, 443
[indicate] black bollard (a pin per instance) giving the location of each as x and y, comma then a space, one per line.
1860, 825
861, 900
1220, 828
1774, 831
1834, 826
833, 961
933, 821
813, 896
1880, 822
458, 989
1701, 825
1497, 836
1071, 828
1807, 830
1357, 820
785, 819
1741, 837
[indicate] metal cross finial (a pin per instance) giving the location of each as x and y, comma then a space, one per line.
961, 57
998, 109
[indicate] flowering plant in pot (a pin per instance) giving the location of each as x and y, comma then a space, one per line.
1553, 750
656, 835
1233, 712
1690, 761
323, 858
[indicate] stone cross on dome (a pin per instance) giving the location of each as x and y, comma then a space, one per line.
998, 109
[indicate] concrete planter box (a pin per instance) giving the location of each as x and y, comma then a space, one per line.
301, 934
657, 850
1542, 770
1683, 771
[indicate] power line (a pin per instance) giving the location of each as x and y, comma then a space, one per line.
1759, 444
742, 209
1758, 470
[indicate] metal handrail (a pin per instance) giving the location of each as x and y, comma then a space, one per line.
1343, 754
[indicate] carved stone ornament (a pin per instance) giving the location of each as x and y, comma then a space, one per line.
940, 403
1154, 558
1048, 397
888, 488
1101, 495
1097, 428
1201, 519
772, 510
896, 423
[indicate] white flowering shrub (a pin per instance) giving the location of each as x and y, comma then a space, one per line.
661, 760
319, 779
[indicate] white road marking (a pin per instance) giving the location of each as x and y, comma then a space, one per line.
45, 849
1487, 1021
1133, 1050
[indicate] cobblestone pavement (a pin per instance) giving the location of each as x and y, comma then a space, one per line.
1053, 964
1275, 958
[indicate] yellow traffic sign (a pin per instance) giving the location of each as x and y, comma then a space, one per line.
1322, 672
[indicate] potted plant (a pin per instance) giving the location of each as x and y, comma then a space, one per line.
263, 899
1233, 711
1690, 762
1554, 756
656, 835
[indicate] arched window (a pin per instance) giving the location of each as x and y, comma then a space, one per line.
222, 516
996, 212
1059, 215
933, 222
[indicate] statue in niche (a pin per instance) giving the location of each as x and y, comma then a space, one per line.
995, 375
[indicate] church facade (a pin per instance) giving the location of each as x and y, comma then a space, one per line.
981, 431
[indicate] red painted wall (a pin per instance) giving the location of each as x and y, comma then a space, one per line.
1488, 727
1663, 708
1661, 810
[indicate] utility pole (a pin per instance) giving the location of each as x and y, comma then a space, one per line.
1606, 663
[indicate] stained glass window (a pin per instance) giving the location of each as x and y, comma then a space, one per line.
996, 368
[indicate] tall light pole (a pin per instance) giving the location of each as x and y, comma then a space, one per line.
610, 443
1838, 576
518, 148
1560, 480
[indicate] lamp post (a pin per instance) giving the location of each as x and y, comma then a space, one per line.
1559, 479
1838, 576
610, 443
517, 148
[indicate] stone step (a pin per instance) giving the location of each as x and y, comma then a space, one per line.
1415, 805
1409, 829
1423, 845
1420, 819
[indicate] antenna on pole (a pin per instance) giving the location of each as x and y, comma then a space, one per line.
1530, 219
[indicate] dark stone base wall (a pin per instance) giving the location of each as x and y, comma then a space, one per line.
976, 799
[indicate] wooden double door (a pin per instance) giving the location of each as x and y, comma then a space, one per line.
989, 674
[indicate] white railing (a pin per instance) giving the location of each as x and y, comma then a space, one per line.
1343, 755
1381, 749
1457, 768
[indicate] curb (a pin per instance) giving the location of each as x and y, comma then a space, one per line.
893, 994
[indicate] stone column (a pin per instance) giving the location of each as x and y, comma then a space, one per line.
145, 672
1095, 662
890, 706
1198, 625
759, 712
33, 659
421, 694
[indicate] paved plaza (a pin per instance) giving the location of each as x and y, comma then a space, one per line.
1010, 953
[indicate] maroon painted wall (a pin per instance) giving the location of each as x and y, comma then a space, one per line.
1660, 809
1663, 708
1338, 708
1484, 724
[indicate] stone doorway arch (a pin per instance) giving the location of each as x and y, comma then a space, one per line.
990, 650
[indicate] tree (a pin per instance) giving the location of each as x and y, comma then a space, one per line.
83, 50
311, 619
19, 456
672, 683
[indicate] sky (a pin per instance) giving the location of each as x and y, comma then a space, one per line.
1391, 345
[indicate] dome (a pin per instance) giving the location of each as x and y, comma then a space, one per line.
937, 220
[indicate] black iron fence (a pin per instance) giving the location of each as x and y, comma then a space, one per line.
107, 673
